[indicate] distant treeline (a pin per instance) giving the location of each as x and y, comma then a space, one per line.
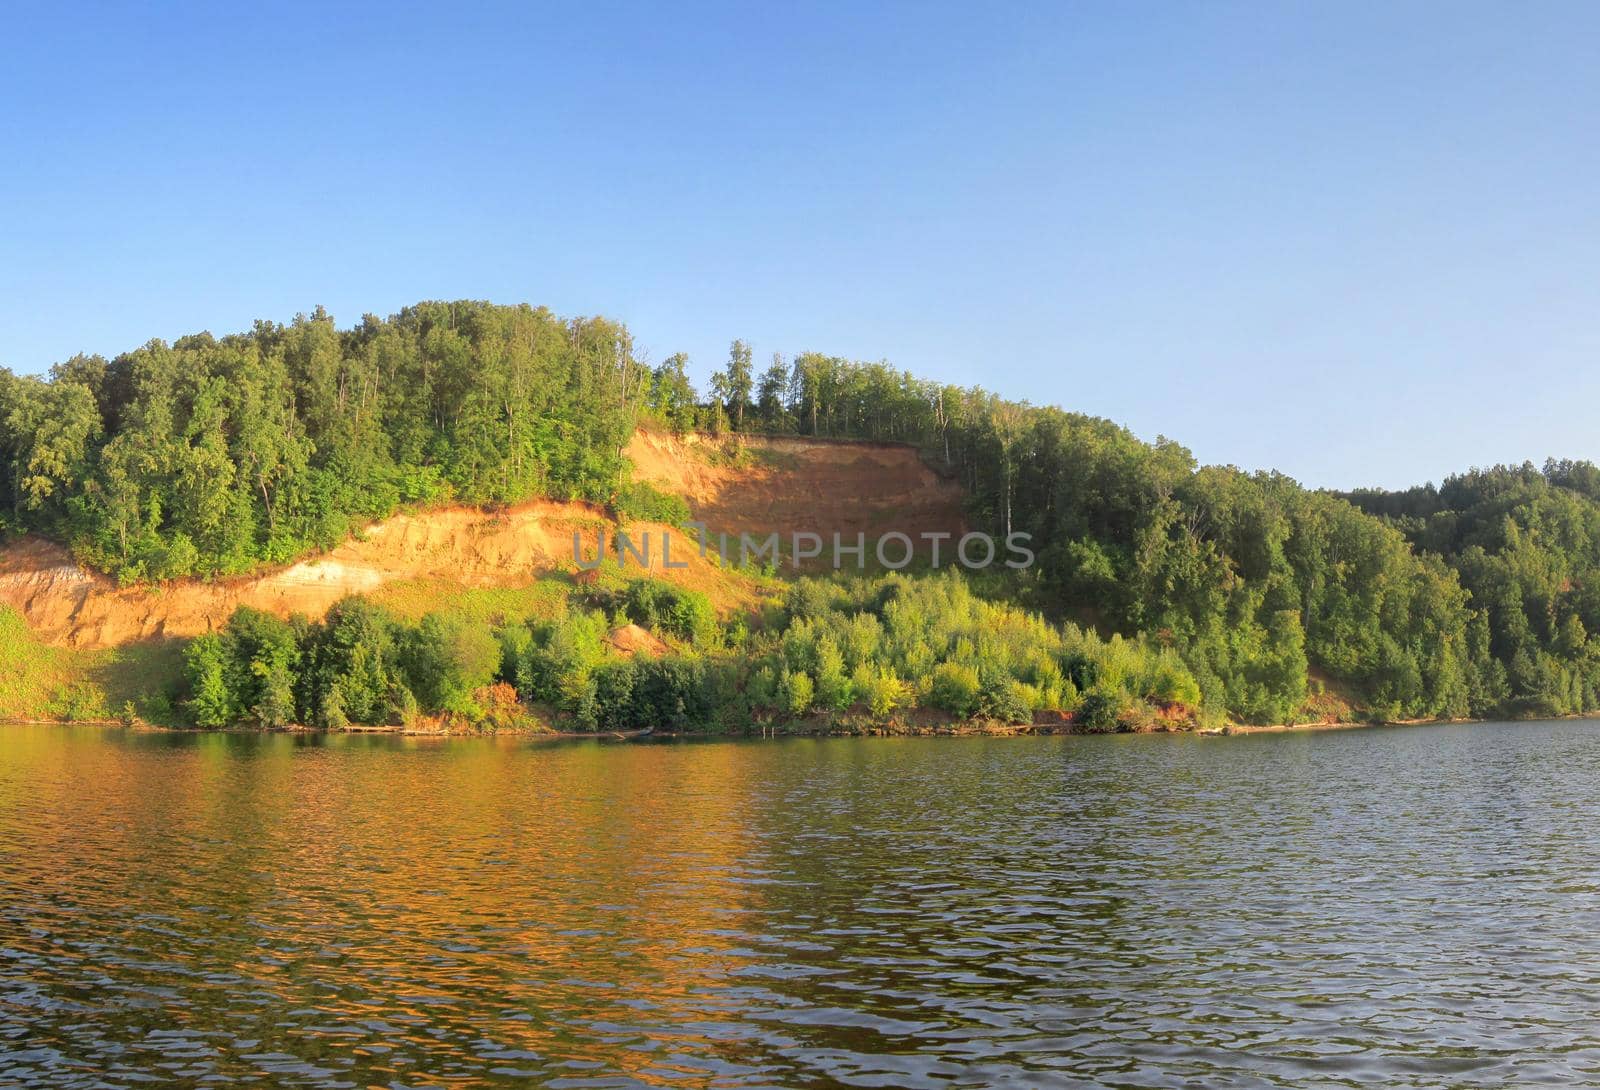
1525, 544
210, 456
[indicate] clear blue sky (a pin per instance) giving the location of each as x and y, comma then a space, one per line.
1356, 242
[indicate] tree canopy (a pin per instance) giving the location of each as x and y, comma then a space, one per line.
210, 456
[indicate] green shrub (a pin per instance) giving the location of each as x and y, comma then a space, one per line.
762, 689
210, 702
664, 608
833, 690
353, 671
1009, 701
559, 658
1099, 712
629, 694
808, 599
446, 659
641, 501
887, 643
78, 701
955, 689
612, 707
672, 694
263, 658
797, 692
880, 690
959, 652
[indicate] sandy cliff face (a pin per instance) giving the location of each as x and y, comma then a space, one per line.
68, 605
789, 485
795, 485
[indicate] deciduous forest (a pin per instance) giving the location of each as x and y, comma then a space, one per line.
1237, 594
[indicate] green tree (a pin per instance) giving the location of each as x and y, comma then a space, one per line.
206, 666
352, 673
672, 396
733, 386
770, 394
445, 659
47, 432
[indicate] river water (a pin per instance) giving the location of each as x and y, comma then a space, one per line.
1409, 906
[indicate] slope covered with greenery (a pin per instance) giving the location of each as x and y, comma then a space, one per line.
1525, 543
211, 456
1249, 577
861, 654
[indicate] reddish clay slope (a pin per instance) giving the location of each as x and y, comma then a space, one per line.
67, 605
795, 485
790, 485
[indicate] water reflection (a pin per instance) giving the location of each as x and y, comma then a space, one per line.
1378, 907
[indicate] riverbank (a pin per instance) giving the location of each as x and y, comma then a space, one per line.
843, 729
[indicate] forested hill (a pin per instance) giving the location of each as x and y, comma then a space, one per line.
1525, 543
211, 456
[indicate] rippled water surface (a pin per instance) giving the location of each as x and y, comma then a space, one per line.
1379, 907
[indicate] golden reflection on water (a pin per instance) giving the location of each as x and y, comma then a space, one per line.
370, 911
498, 891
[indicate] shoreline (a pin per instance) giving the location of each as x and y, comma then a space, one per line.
988, 729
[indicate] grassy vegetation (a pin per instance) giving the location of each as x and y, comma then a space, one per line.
768, 457
145, 678
640, 501
43, 682
413, 599
33, 673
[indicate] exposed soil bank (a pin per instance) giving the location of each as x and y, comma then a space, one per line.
789, 485
70, 606
780, 485
464, 547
